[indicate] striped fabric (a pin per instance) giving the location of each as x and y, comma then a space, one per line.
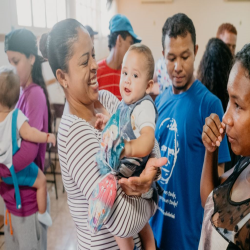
78, 143
109, 79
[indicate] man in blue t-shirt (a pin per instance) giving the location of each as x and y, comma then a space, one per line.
182, 109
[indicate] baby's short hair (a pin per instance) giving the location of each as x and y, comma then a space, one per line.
9, 87
145, 50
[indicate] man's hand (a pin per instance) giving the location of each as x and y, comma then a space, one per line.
139, 185
213, 132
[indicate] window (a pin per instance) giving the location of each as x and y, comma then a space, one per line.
40, 13
95, 14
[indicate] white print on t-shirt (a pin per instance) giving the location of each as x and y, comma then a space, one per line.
172, 153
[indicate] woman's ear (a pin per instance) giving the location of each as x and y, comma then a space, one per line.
150, 86
61, 78
32, 59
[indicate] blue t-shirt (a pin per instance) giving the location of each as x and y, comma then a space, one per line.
178, 219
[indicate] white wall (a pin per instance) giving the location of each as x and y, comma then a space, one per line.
8, 21
148, 19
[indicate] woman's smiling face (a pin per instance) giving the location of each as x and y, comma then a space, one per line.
81, 78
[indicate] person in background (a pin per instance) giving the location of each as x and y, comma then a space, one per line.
14, 127
213, 72
226, 223
182, 110
92, 33
228, 34
121, 37
161, 77
24, 231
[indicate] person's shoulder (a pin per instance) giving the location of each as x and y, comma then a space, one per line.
204, 93
73, 122
35, 92
161, 98
105, 93
102, 64
33, 97
108, 99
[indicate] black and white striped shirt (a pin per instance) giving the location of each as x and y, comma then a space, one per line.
78, 142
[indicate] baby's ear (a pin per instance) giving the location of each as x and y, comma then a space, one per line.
150, 86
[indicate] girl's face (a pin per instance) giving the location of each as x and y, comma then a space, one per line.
81, 79
237, 116
23, 66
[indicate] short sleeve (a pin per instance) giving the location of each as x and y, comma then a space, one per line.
21, 118
144, 115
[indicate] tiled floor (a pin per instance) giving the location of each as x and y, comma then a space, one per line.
62, 234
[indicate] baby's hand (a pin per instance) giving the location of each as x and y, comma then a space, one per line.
51, 139
101, 121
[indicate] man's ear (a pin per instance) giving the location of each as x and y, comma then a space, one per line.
119, 40
163, 53
61, 78
196, 49
150, 86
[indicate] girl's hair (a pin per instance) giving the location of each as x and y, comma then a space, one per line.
243, 56
37, 78
57, 45
215, 67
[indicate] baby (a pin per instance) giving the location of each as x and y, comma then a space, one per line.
139, 110
14, 126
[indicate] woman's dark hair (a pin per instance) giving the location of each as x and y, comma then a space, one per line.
215, 67
57, 45
243, 56
178, 25
113, 37
37, 78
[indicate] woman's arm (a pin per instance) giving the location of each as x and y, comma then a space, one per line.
129, 214
212, 135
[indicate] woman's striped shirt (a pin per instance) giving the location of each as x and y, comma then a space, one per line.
78, 143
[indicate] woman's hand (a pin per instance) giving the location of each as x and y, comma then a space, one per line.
101, 121
139, 185
213, 132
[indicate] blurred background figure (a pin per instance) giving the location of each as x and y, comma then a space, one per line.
92, 33
228, 34
121, 37
161, 78
213, 72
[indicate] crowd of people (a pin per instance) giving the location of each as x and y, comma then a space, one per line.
184, 165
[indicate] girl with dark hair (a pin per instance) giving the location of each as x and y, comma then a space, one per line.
226, 199
213, 72
71, 55
214, 69
24, 231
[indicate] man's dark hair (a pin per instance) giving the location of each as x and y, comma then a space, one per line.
113, 36
214, 69
243, 56
178, 25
